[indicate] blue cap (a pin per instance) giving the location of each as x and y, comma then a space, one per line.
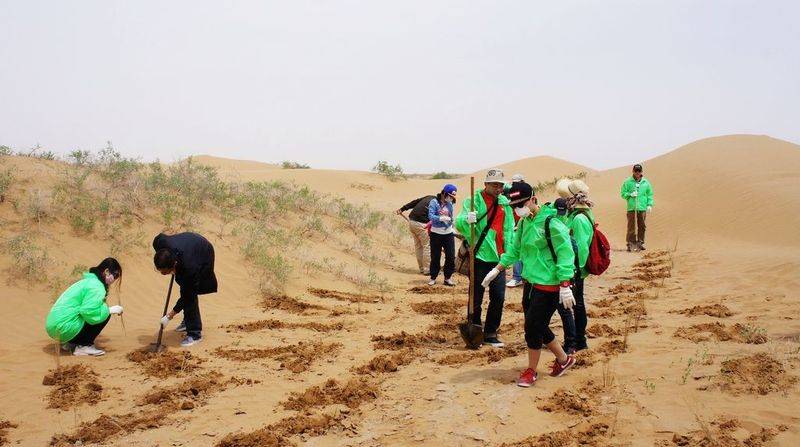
449, 189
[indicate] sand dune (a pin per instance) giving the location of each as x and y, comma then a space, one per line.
693, 346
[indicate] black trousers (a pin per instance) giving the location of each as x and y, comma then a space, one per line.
446, 242
497, 296
190, 304
539, 307
574, 322
88, 333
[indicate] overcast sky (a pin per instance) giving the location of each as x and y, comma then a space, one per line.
433, 85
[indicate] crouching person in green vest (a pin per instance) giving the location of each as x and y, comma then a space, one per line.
80, 313
548, 267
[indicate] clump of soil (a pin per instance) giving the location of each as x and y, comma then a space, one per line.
288, 304
602, 330
188, 394
582, 402
755, 374
712, 310
655, 254
722, 433
514, 307
277, 434
353, 393
73, 385
585, 359
653, 274
345, 296
485, 355
612, 347
584, 434
434, 337
438, 307
627, 288
166, 363
5, 426
252, 326
649, 263
106, 427
738, 333
296, 358
386, 363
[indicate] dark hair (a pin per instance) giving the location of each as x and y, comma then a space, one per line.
110, 264
164, 259
440, 198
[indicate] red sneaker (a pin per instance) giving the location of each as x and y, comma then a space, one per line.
559, 369
527, 378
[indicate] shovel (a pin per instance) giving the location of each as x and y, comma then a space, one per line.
157, 346
471, 333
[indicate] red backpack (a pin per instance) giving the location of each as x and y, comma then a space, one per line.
599, 250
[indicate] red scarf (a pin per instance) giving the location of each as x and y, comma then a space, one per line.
497, 223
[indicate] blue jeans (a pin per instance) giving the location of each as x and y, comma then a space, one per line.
575, 322
517, 273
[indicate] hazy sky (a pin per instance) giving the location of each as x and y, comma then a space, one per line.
433, 85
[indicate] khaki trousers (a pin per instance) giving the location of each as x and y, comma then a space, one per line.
422, 245
636, 218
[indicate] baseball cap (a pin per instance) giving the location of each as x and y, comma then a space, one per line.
494, 175
520, 192
561, 206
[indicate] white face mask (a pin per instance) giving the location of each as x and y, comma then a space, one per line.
522, 211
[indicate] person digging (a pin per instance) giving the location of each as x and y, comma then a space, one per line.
543, 244
494, 231
190, 257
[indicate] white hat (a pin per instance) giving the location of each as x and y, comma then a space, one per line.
518, 178
562, 188
578, 186
495, 175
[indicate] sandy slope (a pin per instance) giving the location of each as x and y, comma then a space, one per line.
729, 202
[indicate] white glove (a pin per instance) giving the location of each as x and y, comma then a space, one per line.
566, 298
164, 321
490, 277
472, 217
649, 209
635, 194
117, 310
445, 219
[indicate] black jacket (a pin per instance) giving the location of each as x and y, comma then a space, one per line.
419, 209
195, 269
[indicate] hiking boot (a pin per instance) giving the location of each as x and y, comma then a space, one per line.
527, 378
449, 282
558, 369
190, 341
87, 350
493, 342
181, 327
514, 283
432, 282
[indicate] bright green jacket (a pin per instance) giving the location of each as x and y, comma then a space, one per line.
488, 249
83, 302
530, 247
645, 197
581, 227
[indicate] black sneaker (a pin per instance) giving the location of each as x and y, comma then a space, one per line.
493, 342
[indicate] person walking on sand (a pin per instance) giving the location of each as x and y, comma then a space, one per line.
80, 313
494, 229
417, 225
516, 272
543, 243
638, 192
440, 213
190, 257
579, 219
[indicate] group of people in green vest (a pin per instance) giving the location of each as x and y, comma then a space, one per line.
551, 241
79, 315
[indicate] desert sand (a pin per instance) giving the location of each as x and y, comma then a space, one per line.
696, 341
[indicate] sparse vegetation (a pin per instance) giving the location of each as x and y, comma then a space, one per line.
30, 261
294, 165
392, 172
441, 175
6, 178
549, 185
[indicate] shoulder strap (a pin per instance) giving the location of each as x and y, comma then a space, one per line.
485, 231
577, 211
549, 241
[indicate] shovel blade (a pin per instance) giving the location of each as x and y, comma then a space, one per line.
472, 334
156, 347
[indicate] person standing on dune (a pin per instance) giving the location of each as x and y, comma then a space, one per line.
440, 213
494, 228
638, 192
190, 257
418, 227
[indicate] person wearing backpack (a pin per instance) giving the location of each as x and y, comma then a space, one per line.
440, 213
494, 229
543, 244
638, 192
580, 221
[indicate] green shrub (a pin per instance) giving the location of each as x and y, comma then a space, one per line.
392, 172
6, 178
441, 175
5, 150
294, 165
80, 157
30, 261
